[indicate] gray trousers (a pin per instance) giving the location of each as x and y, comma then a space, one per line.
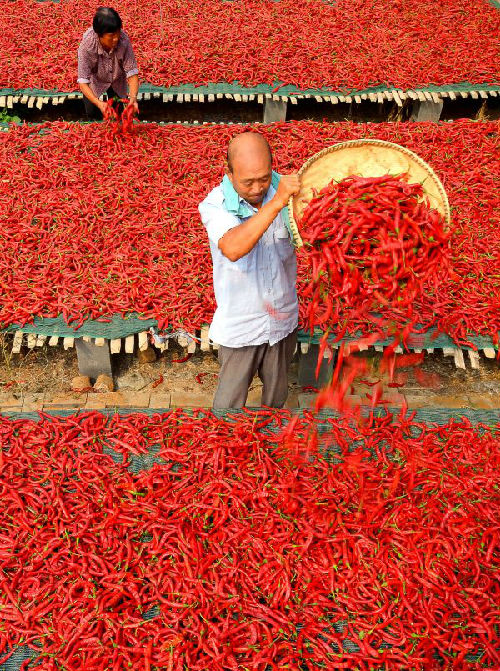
238, 366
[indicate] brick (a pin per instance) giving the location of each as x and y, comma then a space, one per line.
451, 401
62, 401
485, 401
33, 402
95, 402
415, 401
160, 400
8, 403
182, 399
123, 399
394, 399
292, 402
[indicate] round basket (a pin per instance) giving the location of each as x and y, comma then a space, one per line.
365, 158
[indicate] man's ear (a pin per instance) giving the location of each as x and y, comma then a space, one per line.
229, 173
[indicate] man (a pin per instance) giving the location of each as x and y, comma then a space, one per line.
106, 63
254, 272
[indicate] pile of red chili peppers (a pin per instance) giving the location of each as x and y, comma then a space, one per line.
370, 242
343, 45
368, 546
93, 228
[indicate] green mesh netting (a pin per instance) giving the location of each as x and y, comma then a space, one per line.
120, 327
235, 88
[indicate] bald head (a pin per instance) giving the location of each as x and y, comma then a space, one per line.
247, 147
249, 164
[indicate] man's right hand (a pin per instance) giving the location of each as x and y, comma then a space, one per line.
289, 186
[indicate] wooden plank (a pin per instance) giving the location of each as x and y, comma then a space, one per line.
143, 341
39, 103
10, 103
40, 341
115, 345
380, 98
493, 94
452, 95
165, 97
362, 347
334, 100
435, 97
474, 359
156, 94
417, 351
483, 94
474, 95
260, 99
17, 342
398, 349
348, 99
24, 100
68, 342
357, 99
31, 102
53, 340
489, 352
31, 340
304, 347
3, 101
211, 97
449, 351
421, 96
396, 97
205, 343
464, 94
430, 350
100, 342
459, 358
372, 97
191, 346
201, 98
87, 339
129, 344
293, 100
379, 348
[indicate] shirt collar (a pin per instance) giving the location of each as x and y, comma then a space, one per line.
237, 205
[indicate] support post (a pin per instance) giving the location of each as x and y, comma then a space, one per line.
307, 368
426, 110
93, 360
274, 110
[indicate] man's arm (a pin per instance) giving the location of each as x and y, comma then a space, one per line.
133, 88
241, 239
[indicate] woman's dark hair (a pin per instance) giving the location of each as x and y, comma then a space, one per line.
106, 20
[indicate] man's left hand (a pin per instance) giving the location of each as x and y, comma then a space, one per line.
133, 103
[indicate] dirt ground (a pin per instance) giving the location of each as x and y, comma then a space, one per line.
51, 369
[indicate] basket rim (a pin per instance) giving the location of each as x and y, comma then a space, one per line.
370, 141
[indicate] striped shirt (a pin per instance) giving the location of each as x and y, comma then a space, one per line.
102, 69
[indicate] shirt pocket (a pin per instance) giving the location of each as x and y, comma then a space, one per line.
283, 244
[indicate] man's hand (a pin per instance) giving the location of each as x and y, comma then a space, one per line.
289, 186
102, 106
133, 103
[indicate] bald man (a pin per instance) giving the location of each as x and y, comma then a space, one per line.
254, 274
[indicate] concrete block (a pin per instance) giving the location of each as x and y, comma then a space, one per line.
182, 399
92, 359
426, 111
307, 367
160, 400
9, 403
274, 110
33, 402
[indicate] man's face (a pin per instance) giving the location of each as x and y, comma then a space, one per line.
110, 40
251, 177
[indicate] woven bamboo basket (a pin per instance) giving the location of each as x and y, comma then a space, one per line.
365, 158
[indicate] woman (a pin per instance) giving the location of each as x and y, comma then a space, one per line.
106, 63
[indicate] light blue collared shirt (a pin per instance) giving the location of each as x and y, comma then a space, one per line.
256, 295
